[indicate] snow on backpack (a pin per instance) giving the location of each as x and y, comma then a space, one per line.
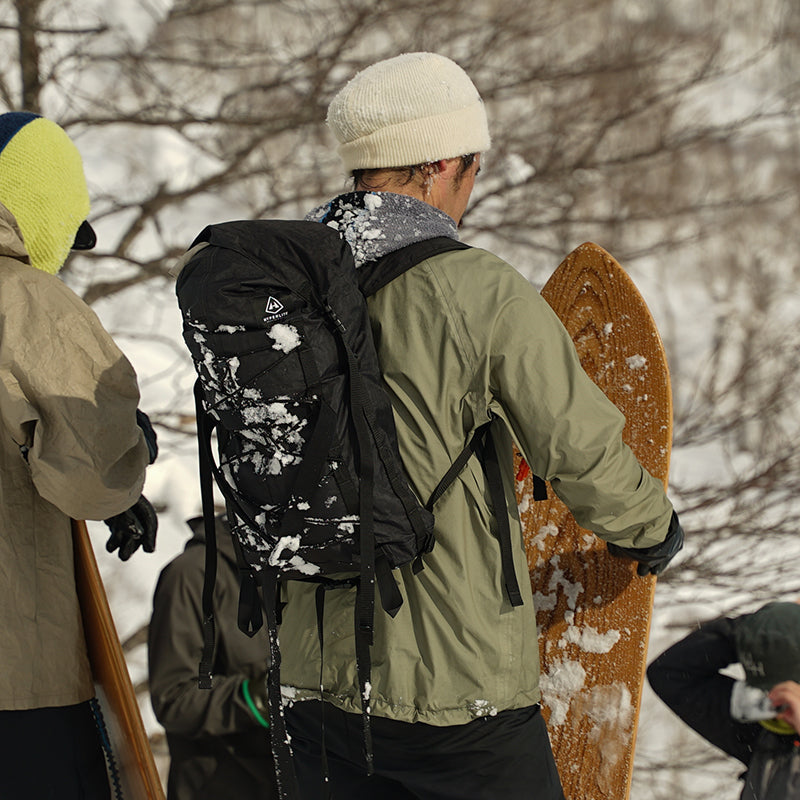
275, 317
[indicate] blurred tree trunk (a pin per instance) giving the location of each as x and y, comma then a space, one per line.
28, 12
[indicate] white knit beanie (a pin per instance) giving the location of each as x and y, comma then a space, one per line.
411, 109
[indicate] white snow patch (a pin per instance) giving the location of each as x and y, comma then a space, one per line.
372, 201
290, 543
636, 362
539, 538
482, 708
286, 337
560, 686
572, 591
303, 566
288, 695
590, 640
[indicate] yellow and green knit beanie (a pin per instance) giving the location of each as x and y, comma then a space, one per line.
42, 184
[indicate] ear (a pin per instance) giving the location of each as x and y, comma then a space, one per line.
440, 167
446, 168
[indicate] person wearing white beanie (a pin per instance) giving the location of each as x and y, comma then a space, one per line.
413, 109
463, 340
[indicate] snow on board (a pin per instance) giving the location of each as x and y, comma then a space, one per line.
593, 611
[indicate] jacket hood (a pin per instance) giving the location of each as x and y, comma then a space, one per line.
377, 223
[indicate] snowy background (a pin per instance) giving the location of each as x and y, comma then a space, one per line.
667, 131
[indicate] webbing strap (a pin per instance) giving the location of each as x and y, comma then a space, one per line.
365, 594
391, 599
363, 671
494, 479
481, 444
320, 604
458, 464
285, 776
205, 672
248, 615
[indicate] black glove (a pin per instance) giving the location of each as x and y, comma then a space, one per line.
134, 527
653, 560
143, 421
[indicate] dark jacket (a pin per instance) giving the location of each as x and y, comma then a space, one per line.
687, 678
217, 749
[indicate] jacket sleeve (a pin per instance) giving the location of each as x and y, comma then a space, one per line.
68, 398
687, 678
175, 643
567, 429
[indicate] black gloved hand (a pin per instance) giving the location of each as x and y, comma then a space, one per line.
134, 527
143, 421
653, 560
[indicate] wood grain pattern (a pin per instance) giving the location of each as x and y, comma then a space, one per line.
593, 611
138, 773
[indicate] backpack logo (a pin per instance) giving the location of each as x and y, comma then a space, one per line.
273, 310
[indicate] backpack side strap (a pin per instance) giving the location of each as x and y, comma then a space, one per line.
481, 444
494, 478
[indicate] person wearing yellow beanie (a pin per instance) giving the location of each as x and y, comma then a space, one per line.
42, 184
72, 445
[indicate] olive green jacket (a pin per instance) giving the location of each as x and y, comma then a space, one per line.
69, 447
463, 338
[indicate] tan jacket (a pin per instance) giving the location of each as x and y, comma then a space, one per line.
462, 337
69, 447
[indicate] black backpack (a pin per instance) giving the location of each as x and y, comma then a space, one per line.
275, 317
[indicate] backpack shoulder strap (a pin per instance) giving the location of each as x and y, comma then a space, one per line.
376, 274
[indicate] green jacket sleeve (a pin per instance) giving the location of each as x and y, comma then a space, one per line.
566, 428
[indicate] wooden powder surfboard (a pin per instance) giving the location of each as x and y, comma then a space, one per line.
593, 611
138, 777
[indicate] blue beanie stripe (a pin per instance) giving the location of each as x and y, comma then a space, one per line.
11, 123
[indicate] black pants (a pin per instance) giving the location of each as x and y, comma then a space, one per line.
51, 754
507, 756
